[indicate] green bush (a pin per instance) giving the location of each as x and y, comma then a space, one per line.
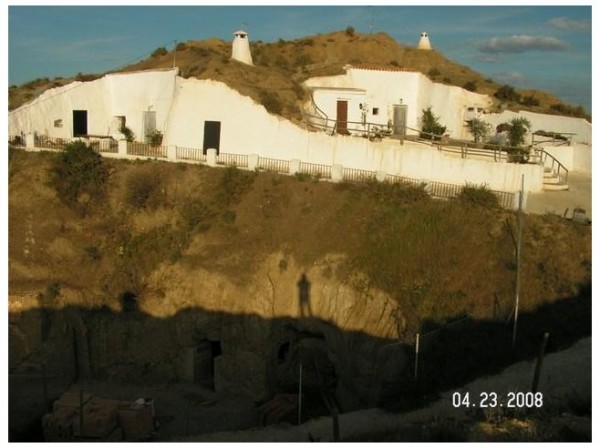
143, 189
507, 93
433, 72
196, 215
233, 184
128, 133
471, 86
155, 138
481, 196
350, 31
160, 51
431, 129
80, 177
479, 129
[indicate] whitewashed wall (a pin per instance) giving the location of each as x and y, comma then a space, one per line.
127, 94
549, 123
385, 87
247, 128
329, 98
577, 158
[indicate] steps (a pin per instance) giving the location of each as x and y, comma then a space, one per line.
552, 181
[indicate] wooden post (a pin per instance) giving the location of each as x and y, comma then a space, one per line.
538, 365
81, 409
45, 386
520, 236
417, 355
336, 423
300, 397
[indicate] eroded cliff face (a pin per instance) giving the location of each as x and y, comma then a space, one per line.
243, 338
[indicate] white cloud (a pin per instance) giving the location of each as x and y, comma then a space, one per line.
569, 24
521, 44
512, 78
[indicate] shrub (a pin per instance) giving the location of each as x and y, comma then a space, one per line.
517, 128
128, 133
181, 46
430, 127
281, 62
530, 101
479, 129
196, 215
433, 72
471, 86
303, 59
271, 101
507, 93
79, 176
160, 51
233, 184
155, 138
481, 196
350, 31
142, 189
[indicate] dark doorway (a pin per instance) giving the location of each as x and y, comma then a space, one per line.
204, 362
129, 303
341, 120
212, 135
80, 127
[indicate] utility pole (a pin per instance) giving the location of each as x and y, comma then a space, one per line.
519, 238
175, 54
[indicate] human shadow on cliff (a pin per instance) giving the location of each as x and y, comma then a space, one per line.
256, 357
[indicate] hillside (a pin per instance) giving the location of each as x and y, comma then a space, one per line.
151, 258
280, 68
161, 217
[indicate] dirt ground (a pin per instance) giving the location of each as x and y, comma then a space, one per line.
579, 195
565, 379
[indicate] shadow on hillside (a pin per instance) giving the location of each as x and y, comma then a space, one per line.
254, 358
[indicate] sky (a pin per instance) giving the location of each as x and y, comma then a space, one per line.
540, 46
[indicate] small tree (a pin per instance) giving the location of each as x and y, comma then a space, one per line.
479, 129
430, 126
350, 31
517, 128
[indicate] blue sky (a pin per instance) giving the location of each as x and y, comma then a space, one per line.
542, 47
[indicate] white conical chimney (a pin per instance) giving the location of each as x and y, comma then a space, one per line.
240, 50
424, 43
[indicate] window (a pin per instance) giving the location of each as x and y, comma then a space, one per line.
375, 111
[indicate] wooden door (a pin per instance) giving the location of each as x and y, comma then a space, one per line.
341, 120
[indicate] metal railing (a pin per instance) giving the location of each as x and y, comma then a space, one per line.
356, 175
275, 165
555, 166
315, 169
146, 150
194, 154
238, 160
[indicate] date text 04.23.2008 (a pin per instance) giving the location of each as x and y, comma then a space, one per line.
496, 400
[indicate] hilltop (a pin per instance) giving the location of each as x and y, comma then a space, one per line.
280, 67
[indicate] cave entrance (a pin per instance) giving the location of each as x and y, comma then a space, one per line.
205, 353
129, 302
